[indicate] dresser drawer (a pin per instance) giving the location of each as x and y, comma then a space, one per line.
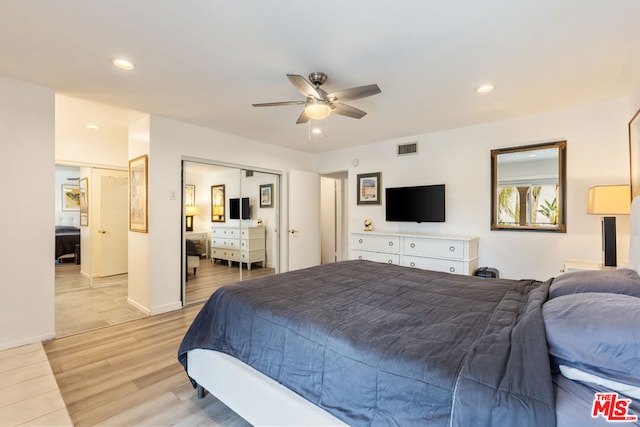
436, 264
372, 242
252, 233
226, 254
376, 256
224, 232
441, 248
218, 242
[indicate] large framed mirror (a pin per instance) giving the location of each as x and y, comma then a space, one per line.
528, 188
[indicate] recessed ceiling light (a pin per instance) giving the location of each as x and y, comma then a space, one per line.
485, 88
123, 64
92, 126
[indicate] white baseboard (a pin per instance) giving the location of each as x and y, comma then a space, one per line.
139, 306
166, 308
27, 340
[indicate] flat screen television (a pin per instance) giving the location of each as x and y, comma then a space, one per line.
425, 203
234, 208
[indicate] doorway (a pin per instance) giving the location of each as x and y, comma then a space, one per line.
334, 217
230, 228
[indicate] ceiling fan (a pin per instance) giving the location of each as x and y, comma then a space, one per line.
319, 104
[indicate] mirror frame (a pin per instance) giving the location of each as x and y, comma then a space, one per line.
561, 227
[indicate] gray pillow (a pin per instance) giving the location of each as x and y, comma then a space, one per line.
598, 333
620, 281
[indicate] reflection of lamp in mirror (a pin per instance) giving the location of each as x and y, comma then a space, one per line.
190, 211
218, 211
609, 200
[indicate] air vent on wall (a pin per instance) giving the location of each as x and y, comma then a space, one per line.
406, 149
248, 174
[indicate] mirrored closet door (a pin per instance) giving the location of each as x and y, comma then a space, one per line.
231, 228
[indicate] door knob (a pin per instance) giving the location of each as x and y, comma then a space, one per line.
102, 231
293, 231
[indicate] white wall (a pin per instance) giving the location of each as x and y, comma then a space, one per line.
171, 142
597, 153
26, 220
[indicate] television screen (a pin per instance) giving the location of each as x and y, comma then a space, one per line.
234, 208
424, 203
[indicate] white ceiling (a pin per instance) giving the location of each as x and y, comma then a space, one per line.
206, 61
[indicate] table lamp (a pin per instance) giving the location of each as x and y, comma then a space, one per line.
190, 211
609, 200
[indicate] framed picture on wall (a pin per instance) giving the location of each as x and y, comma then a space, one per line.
217, 203
70, 197
189, 195
369, 188
634, 154
84, 202
138, 194
266, 196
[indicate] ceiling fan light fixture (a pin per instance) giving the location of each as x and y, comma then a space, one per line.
317, 110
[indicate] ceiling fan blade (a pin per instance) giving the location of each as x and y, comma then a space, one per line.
303, 86
347, 110
303, 118
355, 93
278, 104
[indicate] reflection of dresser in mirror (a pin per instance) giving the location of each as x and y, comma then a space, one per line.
242, 245
201, 239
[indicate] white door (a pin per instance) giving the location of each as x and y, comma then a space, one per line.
114, 224
304, 219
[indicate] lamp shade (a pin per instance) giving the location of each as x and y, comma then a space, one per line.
609, 200
317, 110
192, 210
218, 210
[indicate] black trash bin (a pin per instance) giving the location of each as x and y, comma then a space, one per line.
487, 272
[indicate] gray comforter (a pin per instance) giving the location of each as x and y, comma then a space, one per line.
378, 344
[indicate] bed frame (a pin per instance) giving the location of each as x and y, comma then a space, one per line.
255, 397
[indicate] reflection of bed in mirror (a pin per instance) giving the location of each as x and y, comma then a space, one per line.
362, 343
67, 237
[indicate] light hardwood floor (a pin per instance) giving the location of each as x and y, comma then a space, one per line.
83, 305
129, 374
29, 394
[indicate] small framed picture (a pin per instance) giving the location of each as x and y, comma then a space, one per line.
190, 195
84, 201
138, 199
266, 196
70, 197
369, 188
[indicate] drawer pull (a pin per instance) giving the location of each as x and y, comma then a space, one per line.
413, 245
413, 264
359, 240
390, 243
452, 248
452, 269
360, 257
390, 261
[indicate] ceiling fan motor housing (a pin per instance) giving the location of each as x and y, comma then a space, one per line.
318, 78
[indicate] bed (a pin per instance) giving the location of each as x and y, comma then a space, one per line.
362, 343
67, 237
